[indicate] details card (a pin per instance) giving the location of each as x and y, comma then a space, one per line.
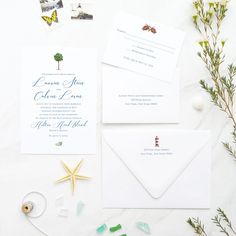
144, 47
133, 98
58, 101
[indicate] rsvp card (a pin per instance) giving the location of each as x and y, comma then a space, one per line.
58, 101
143, 46
140, 76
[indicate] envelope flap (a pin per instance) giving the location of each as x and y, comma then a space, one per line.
156, 159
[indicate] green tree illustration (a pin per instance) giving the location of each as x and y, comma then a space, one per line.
58, 57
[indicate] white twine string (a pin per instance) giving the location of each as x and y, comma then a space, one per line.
30, 217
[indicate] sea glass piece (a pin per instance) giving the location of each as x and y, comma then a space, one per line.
123, 235
143, 227
63, 213
115, 228
101, 229
59, 201
79, 208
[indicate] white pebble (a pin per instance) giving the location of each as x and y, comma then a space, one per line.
198, 103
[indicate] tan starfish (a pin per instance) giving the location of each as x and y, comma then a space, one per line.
72, 175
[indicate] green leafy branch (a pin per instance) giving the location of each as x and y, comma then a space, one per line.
208, 19
221, 221
197, 225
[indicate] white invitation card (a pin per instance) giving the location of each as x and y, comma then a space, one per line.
133, 98
143, 46
58, 101
156, 169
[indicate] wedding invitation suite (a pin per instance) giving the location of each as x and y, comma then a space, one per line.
133, 98
140, 78
143, 46
156, 169
58, 101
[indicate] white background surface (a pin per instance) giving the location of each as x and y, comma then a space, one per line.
20, 174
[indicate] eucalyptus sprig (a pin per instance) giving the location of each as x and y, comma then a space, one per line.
208, 20
220, 220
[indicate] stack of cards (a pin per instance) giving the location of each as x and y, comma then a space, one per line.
149, 169
140, 81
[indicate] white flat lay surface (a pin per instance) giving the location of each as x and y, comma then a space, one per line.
20, 174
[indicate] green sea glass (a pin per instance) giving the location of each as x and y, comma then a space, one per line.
115, 228
143, 227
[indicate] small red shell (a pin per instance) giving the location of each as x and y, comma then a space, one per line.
153, 30
146, 27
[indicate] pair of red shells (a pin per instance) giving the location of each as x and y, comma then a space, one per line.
149, 28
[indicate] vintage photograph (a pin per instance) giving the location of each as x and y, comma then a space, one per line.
82, 11
48, 5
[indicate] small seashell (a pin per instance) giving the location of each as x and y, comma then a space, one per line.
59, 144
27, 207
198, 103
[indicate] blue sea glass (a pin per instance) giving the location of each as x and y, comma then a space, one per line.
101, 229
143, 227
79, 208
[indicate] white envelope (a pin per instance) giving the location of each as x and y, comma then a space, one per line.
156, 169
